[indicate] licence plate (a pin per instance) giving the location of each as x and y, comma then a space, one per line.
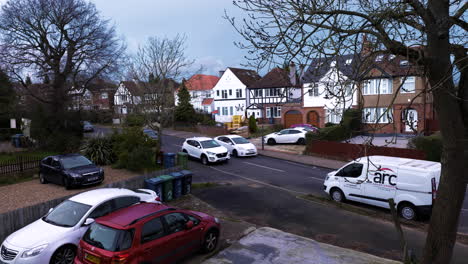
92, 258
92, 178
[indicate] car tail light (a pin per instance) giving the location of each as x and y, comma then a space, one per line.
120, 259
158, 199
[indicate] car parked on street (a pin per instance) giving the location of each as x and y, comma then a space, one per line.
238, 146
206, 149
69, 170
151, 133
309, 127
87, 126
148, 233
53, 239
289, 135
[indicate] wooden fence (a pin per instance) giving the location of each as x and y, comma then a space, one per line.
20, 164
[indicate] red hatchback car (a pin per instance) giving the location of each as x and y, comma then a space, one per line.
147, 233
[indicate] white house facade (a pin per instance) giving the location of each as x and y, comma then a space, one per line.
126, 96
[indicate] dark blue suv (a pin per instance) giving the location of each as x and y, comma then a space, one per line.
70, 170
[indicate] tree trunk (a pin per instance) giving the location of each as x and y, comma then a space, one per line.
452, 187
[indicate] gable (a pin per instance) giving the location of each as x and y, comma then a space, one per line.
228, 81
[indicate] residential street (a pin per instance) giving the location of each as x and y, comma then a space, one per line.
265, 191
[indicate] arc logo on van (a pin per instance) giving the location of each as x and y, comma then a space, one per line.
384, 176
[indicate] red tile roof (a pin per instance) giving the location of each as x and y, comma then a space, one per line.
201, 82
207, 101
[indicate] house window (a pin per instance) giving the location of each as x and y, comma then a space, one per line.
224, 94
379, 58
272, 92
333, 117
239, 93
404, 63
104, 95
218, 110
314, 90
205, 109
225, 111
231, 110
348, 61
348, 89
409, 84
217, 93
268, 112
377, 86
274, 112
258, 93
230, 92
391, 57
381, 115
123, 98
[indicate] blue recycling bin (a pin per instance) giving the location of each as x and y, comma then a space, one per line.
155, 184
169, 160
177, 184
187, 182
16, 140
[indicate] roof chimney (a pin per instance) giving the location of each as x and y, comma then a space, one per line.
366, 46
221, 73
292, 73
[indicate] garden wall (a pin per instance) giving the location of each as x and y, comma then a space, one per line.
347, 151
16, 219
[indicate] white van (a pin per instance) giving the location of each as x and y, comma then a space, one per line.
375, 179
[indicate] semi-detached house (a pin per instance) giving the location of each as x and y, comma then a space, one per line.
230, 93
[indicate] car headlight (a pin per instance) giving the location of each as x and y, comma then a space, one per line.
210, 153
216, 220
74, 175
240, 148
34, 252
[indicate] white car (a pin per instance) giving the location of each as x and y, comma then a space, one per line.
290, 135
54, 238
206, 149
237, 145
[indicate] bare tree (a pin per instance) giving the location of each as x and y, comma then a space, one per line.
64, 41
431, 34
157, 65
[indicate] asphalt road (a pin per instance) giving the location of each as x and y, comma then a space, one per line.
265, 191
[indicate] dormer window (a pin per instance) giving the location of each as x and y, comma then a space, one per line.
404, 63
333, 64
391, 57
348, 61
379, 58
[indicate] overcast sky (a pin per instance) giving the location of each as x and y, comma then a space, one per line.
210, 37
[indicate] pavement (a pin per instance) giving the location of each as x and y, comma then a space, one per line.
272, 246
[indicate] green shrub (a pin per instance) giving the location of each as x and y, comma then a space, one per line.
129, 144
352, 119
100, 117
135, 120
139, 158
99, 150
253, 124
332, 133
329, 124
430, 145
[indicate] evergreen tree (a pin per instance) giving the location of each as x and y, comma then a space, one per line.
184, 111
253, 124
28, 81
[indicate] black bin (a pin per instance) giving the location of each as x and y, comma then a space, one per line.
187, 182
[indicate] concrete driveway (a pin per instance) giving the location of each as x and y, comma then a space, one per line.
271, 246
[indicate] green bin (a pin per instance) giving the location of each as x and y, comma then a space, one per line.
182, 160
167, 187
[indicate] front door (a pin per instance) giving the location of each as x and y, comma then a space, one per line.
313, 118
380, 185
411, 120
351, 178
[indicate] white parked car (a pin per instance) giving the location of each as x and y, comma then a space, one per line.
237, 145
54, 238
206, 149
290, 135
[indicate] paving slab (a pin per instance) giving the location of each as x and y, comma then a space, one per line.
271, 246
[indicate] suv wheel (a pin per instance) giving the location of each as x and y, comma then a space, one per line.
42, 178
407, 211
204, 159
271, 141
211, 241
63, 255
337, 195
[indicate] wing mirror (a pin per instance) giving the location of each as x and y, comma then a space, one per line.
50, 210
198, 147
189, 225
88, 221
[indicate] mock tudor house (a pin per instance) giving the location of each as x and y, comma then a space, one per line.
128, 95
200, 87
80, 99
268, 96
394, 97
230, 93
330, 87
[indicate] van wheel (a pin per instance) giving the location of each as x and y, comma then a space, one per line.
407, 211
204, 159
337, 195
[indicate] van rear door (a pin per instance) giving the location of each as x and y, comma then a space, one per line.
380, 185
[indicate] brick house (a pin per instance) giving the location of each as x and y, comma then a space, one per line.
102, 95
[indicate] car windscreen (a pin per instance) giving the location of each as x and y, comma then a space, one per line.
150, 133
240, 140
209, 144
75, 161
66, 214
108, 238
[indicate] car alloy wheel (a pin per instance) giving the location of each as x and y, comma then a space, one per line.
64, 255
211, 240
204, 160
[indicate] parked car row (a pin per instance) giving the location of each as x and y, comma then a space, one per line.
219, 149
112, 226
